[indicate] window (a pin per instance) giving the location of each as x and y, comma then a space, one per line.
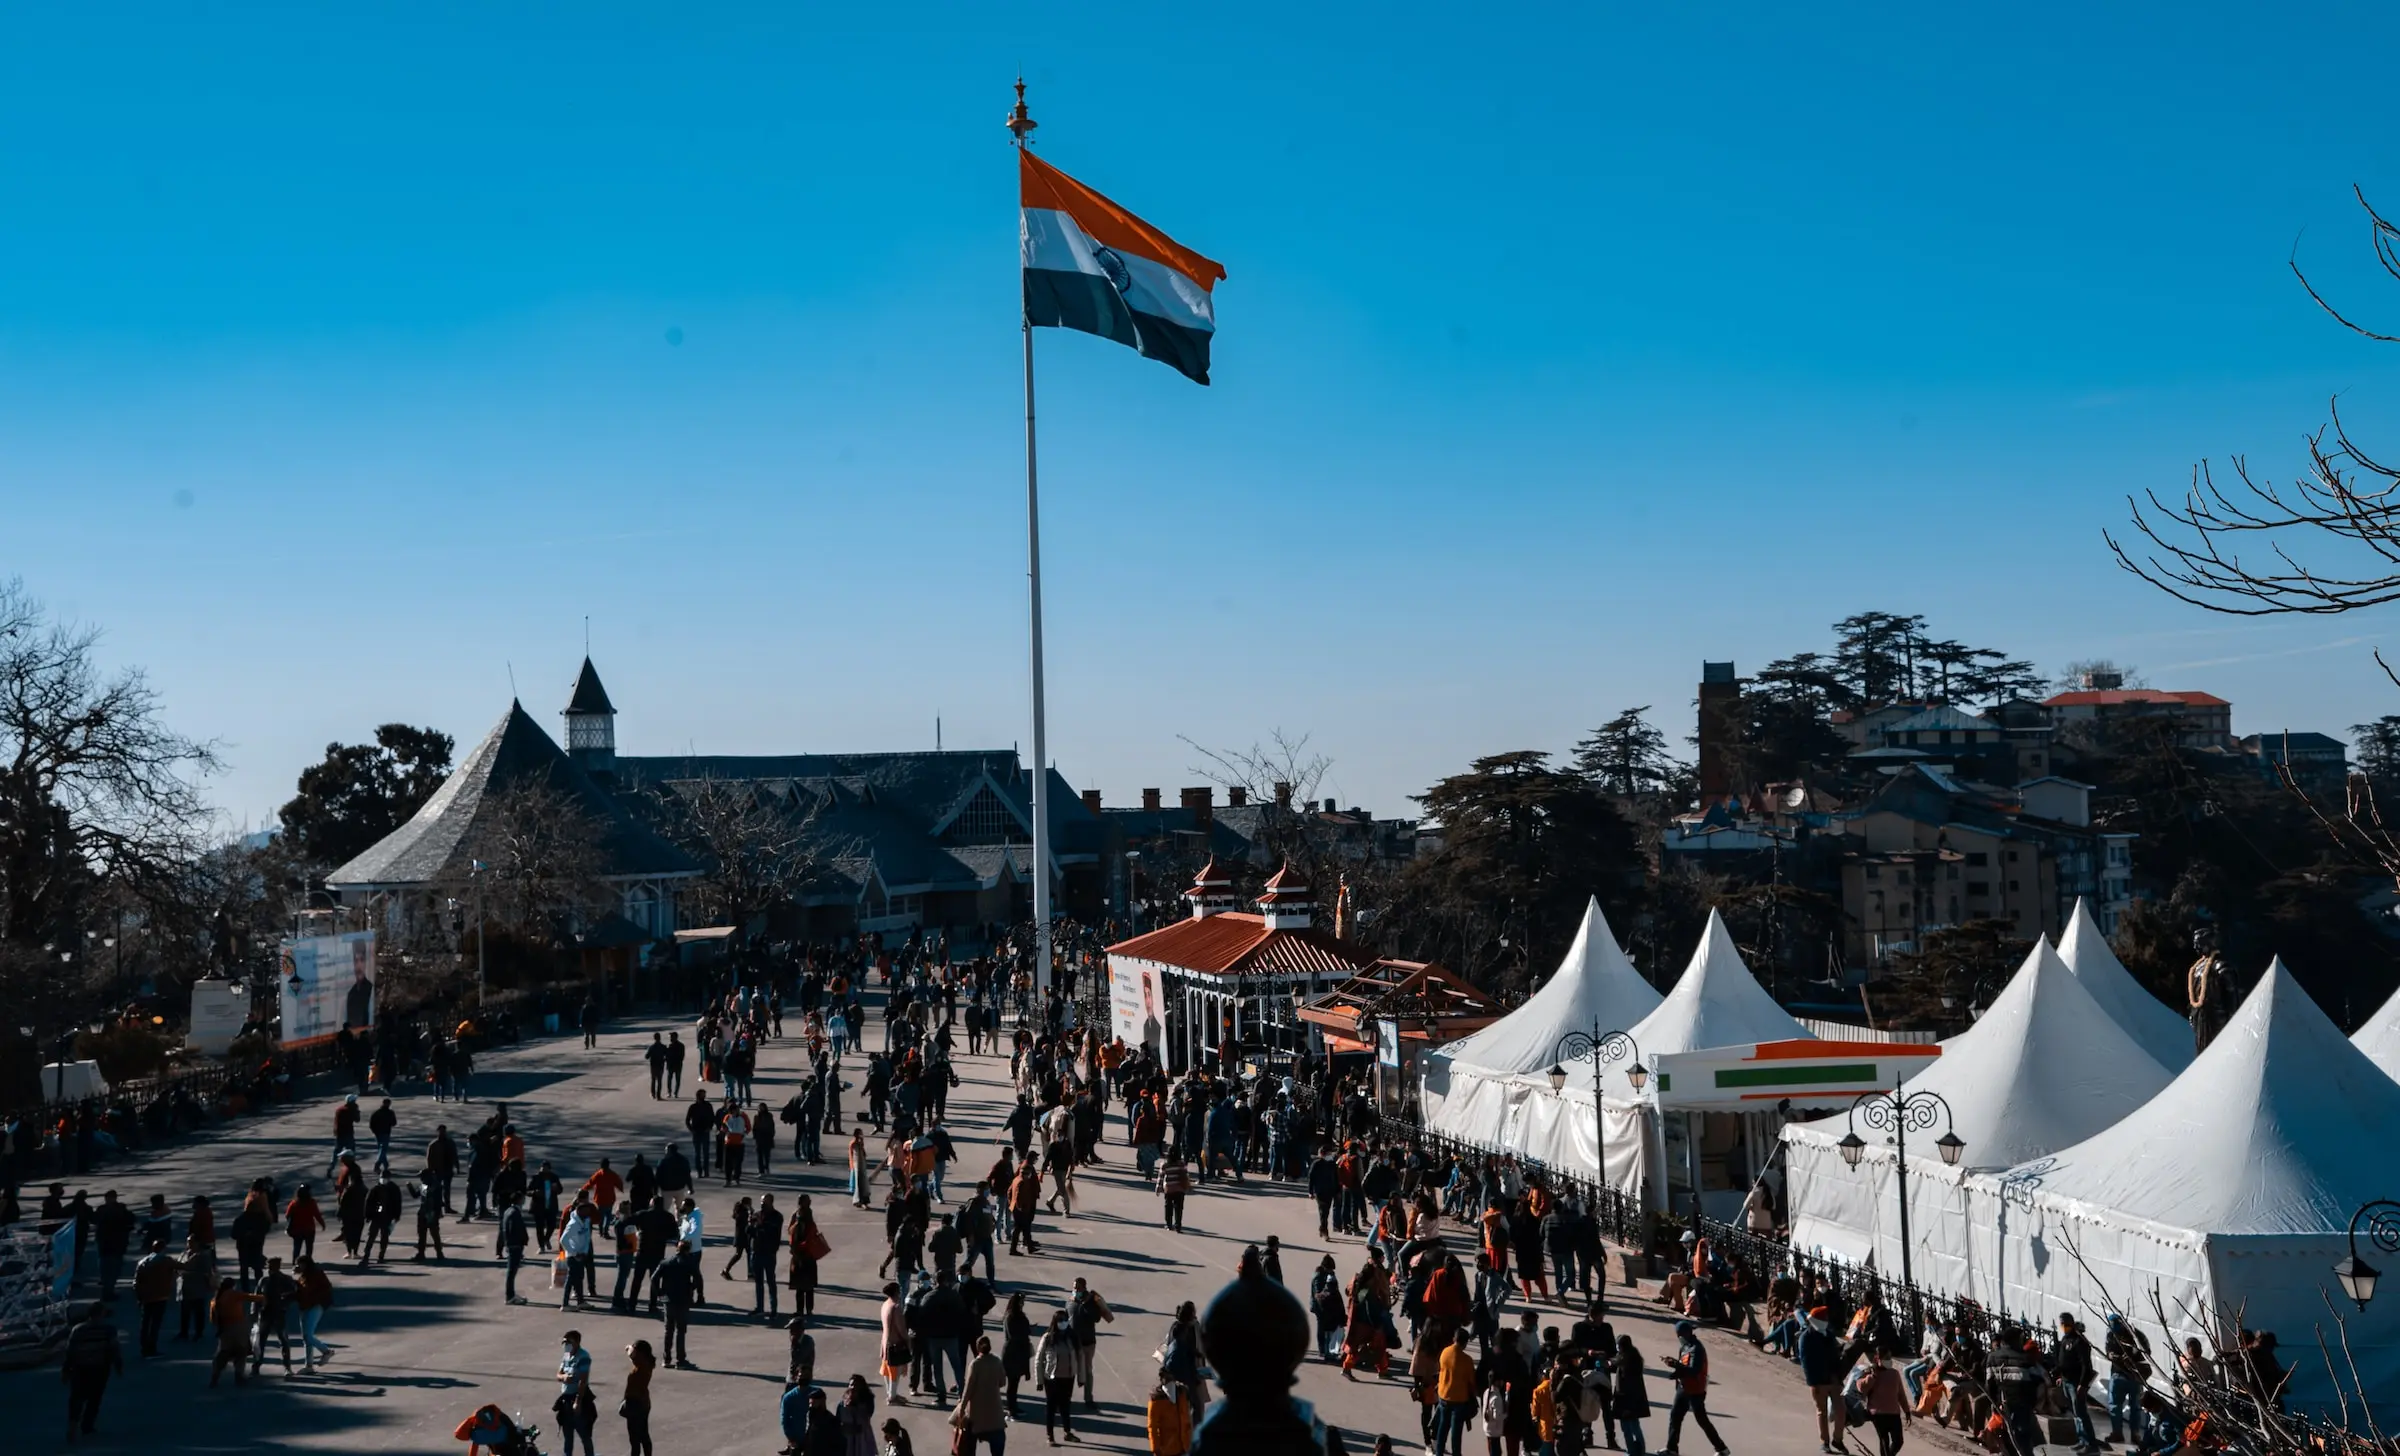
1978, 887
986, 820
2012, 856
1872, 870
2012, 887
1979, 859
1904, 877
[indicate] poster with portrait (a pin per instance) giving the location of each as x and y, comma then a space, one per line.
326, 983
1137, 1008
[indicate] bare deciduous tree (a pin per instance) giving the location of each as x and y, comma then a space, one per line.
93, 787
759, 849
539, 859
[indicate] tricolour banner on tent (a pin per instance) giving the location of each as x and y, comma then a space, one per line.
1808, 1073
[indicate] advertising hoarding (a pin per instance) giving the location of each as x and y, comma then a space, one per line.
326, 982
219, 1011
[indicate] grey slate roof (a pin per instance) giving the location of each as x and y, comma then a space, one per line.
516, 752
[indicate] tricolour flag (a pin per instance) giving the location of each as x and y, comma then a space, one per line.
1091, 265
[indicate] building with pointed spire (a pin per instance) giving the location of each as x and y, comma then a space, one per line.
591, 723
894, 842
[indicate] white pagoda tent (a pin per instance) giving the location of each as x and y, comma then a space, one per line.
2166, 1036
2044, 1068
2226, 1195
1716, 1003
1475, 1089
2380, 1037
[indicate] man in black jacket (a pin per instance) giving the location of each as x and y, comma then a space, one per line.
93, 1354
513, 1237
674, 1287
700, 1120
112, 1230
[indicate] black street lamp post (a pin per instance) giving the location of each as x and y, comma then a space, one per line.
1901, 1113
2357, 1276
1606, 1049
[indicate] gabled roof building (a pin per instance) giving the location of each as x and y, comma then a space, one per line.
895, 841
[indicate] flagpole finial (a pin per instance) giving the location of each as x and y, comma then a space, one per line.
1021, 122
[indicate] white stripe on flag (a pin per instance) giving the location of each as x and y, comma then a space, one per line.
1050, 240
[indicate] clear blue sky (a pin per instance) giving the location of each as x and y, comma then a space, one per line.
346, 361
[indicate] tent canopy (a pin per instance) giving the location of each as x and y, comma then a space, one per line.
1594, 985
1715, 1003
2043, 1069
2380, 1037
2280, 1127
2166, 1036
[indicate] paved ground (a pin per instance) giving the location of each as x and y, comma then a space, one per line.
420, 1345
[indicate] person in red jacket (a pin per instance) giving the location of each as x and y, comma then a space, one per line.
301, 1219
604, 1186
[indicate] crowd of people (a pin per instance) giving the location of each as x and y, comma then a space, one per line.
1477, 1287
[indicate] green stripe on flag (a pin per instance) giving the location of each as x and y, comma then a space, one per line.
1796, 1076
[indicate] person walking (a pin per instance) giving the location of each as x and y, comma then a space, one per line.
656, 1055
302, 1219
1820, 1358
700, 1120
1054, 1367
1886, 1397
766, 1241
2074, 1367
575, 1241
1016, 1347
112, 1233
856, 1420
982, 1412
735, 1129
1629, 1401
314, 1296
640, 1363
676, 1283
896, 1353
1689, 1365
808, 1245
1086, 1313
429, 1219
93, 1354
1169, 1417
512, 1237
198, 1277
576, 1407
1024, 1198
230, 1313
278, 1294
383, 1215
154, 1280
381, 1123
1174, 1185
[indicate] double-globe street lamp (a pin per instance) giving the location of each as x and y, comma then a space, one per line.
1606, 1049
2357, 1276
1901, 1113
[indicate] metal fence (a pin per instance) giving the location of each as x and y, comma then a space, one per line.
1620, 1215
141, 1110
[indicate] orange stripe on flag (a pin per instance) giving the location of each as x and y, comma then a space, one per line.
1044, 186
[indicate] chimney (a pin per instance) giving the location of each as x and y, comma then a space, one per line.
1329, 806
1202, 802
1283, 794
1236, 797
1091, 800
1150, 800
1719, 729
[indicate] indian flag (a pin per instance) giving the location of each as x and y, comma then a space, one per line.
1091, 265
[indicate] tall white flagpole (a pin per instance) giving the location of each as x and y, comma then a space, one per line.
1019, 124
